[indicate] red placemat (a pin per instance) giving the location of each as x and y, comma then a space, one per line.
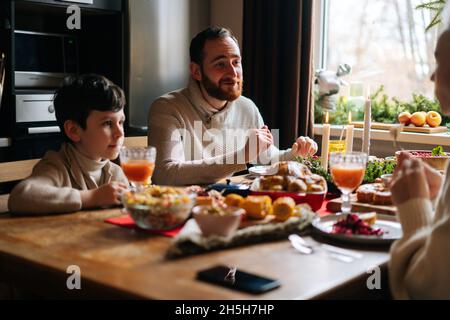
323, 209
127, 222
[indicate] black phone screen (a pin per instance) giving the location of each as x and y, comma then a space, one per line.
236, 279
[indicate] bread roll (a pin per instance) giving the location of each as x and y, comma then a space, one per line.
296, 185
272, 183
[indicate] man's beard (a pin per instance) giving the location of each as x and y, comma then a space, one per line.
217, 92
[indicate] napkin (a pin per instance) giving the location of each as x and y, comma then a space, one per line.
128, 222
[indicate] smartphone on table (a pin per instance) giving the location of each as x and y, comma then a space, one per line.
237, 279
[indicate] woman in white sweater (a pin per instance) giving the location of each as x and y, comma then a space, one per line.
420, 261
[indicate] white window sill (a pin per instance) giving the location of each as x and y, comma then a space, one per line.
442, 139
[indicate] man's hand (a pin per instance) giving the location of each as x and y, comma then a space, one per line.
258, 141
105, 195
433, 178
304, 147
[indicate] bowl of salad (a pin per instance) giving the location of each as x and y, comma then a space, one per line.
436, 158
158, 207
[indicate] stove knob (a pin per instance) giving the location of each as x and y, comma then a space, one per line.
51, 109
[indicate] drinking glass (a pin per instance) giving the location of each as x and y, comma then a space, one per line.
138, 164
347, 171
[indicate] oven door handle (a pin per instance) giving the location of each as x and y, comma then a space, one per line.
36, 130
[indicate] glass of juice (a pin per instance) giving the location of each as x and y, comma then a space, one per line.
138, 164
347, 171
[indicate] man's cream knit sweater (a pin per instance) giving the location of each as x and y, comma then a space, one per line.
196, 144
420, 262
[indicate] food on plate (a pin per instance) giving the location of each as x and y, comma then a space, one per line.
204, 201
352, 224
295, 185
200, 191
374, 193
217, 210
283, 208
292, 168
216, 220
257, 207
165, 196
433, 119
234, 200
370, 217
436, 159
213, 197
275, 183
292, 176
405, 118
418, 119
300, 209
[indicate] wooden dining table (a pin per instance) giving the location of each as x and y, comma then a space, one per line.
116, 262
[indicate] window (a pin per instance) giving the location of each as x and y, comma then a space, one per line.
385, 43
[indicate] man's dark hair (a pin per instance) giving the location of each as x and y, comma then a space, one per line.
79, 95
198, 42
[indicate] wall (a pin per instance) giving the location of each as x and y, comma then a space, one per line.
229, 14
160, 35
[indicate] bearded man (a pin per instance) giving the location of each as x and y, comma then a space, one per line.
208, 131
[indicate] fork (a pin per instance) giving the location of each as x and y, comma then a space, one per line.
304, 247
394, 132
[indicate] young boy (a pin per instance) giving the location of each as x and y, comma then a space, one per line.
89, 111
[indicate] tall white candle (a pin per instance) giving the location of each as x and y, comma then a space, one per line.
349, 134
367, 125
325, 142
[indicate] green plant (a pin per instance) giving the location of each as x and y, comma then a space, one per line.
384, 108
376, 168
436, 6
438, 151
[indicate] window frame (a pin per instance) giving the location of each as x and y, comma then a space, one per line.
321, 13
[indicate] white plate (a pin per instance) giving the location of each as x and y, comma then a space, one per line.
262, 170
391, 228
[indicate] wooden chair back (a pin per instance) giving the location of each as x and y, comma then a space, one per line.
16, 170
140, 141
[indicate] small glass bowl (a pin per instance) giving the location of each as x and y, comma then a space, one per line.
158, 213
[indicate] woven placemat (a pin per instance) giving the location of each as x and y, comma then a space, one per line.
190, 240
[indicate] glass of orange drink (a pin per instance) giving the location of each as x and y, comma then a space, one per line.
347, 171
138, 164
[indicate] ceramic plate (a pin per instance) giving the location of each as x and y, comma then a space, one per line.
392, 230
261, 170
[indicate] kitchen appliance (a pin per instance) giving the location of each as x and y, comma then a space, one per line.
38, 110
42, 60
160, 32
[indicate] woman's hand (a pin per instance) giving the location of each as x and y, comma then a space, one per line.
434, 179
409, 182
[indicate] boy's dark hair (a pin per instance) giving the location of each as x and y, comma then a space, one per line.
198, 42
79, 95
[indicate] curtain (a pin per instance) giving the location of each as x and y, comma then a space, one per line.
277, 59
